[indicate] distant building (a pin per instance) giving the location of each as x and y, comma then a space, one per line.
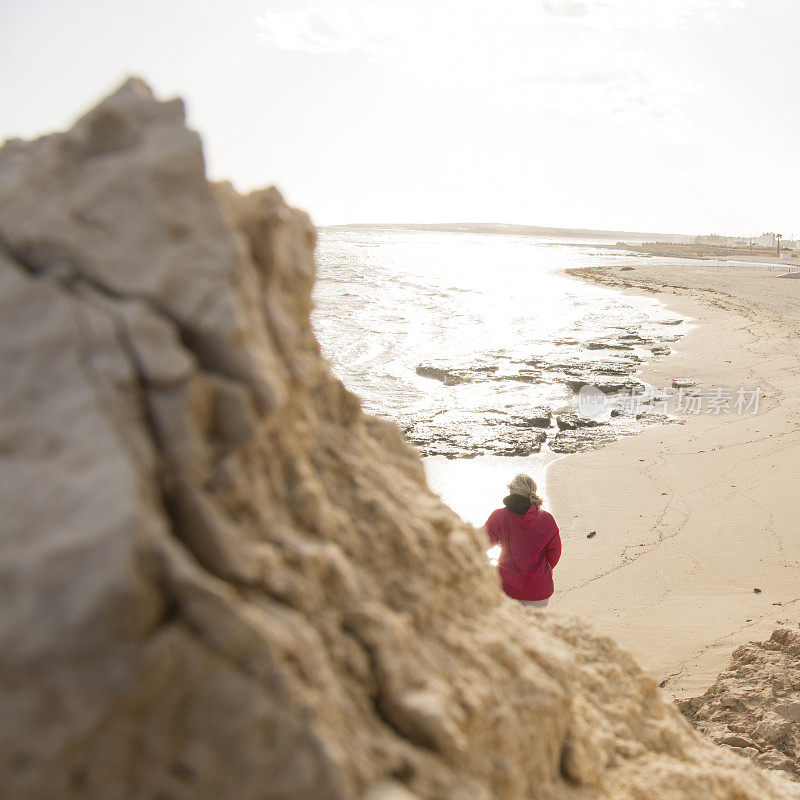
786, 253
767, 240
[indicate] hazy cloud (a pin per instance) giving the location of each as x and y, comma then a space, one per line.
576, 57
565, 8
589, 77
326, 27
656, 14
391, 28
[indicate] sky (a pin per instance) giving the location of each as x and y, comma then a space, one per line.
676, 116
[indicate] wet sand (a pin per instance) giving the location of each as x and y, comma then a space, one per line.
691, 518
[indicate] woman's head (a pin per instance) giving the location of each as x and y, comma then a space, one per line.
526, 486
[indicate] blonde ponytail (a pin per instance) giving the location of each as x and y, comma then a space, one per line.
525, 486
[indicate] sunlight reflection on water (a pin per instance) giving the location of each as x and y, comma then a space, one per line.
388, 300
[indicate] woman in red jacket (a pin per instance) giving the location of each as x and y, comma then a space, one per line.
530, 543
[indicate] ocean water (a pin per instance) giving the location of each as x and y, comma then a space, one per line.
496, 329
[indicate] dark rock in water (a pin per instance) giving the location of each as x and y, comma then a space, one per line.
635, 338
610, 344
455, 446
540, 417
660, 350
577, 385
621, 412
611, 387
683, 383
449, 377
570, 422
626, 269
623, 422
465, 433
607, 387
560, 370
542, 363
521, 446
453, 376
612, 368
523, 376
574, 372
594, 435
669, 321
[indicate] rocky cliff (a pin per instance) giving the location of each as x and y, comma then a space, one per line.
754, 706
220, 578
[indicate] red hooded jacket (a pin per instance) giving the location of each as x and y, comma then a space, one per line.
531, 548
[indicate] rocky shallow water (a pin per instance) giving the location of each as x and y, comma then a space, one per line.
481, 345
608, 363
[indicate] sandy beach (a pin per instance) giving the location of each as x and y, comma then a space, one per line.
690, 518
767, 256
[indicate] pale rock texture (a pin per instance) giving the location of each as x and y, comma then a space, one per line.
754, 706
222, 580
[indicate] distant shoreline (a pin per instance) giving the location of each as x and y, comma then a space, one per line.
669, 245
753, 255
517, 230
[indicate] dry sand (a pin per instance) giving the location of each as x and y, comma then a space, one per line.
691, 517
758, 255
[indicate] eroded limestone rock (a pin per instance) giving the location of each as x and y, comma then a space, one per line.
754, 706
220, 578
